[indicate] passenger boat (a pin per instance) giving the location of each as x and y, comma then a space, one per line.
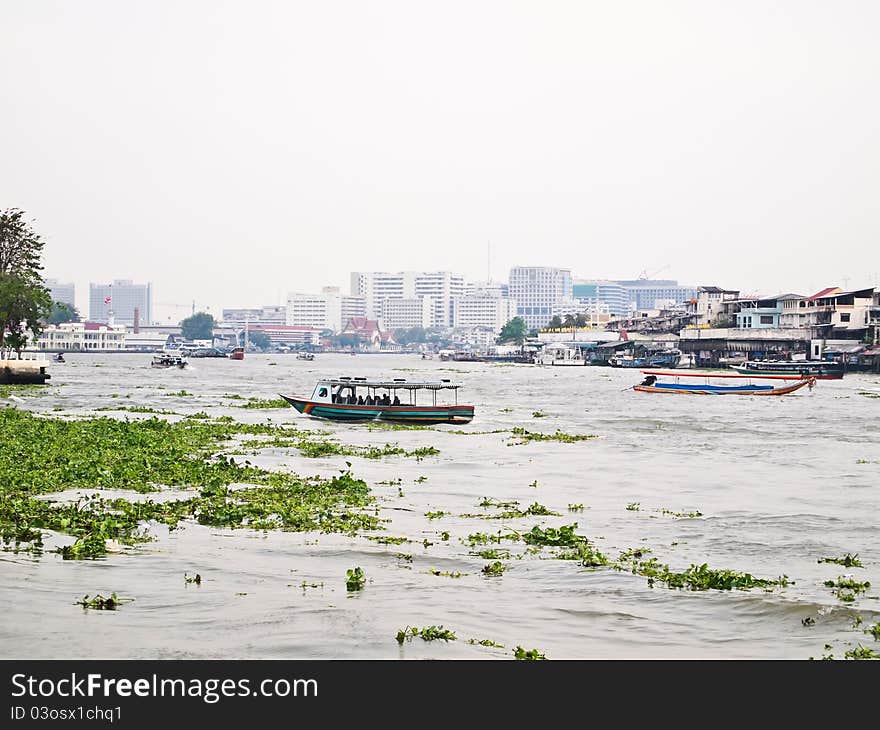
168, 361
732, 385
819, 369
237, 353
360, 399
651, 359
561, 355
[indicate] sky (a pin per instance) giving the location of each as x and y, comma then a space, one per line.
232, 152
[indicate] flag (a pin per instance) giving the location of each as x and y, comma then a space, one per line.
107, 301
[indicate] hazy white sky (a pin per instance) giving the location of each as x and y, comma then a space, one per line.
230, 152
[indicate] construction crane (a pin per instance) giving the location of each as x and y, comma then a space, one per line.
645, 275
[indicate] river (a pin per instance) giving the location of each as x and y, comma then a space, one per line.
779, 483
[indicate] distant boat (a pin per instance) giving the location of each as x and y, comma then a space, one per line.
58, 358
819, 369
733, 384
168, 361
651, 359
237, 353
305, 356
561, 355
358, 399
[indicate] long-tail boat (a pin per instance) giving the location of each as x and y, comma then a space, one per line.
819, 369
733, 384
360, 399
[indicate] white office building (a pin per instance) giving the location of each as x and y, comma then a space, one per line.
441, 286
82, 337
122, 299
328, 310
484, 311
539, 292
61, 292
405, 313
487, 288
270, 314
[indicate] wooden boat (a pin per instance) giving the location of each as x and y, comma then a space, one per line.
237, 353
168, 361
733, 384
360, 399
819, 369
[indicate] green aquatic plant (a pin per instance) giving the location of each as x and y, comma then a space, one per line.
634, 506
563, 536
493, 554
436, 515
490, 502
808, 621
197, 579
446, 573
354, 579
861, 652
493, 569
180, 394
387, 539
444, 535
694, 513
849, 560
575, 507
428, 633
265, 403
486, 642
702, 577
874, 631
531, 654
99, 603
538, 414
522, 436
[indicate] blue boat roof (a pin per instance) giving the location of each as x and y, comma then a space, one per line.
396, 383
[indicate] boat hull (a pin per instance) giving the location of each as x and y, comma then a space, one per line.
694, 389
820, 371
388, 414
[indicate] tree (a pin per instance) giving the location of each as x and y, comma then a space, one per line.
555, 323
581, 320
514, 331
198, 327
569, 322
62, 313
413, 334
24, 300
259, 339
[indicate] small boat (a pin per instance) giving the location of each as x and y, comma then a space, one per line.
651, 359
58, 358
559, 354
305, 356
819, 369
237, 353
168, 361
360, 399
732, 385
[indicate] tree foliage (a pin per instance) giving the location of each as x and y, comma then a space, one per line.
24, 300
259, 339
199, 326
514, 331
413, 334
555, 323
62, 313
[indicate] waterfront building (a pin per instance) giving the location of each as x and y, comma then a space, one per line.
127, 302
61, 292
328, 310
708, 304
602, 293
82, 337
283, 334
441, 286
539, 292
368, 333
271, 314
399, 314
832, 310
483, 311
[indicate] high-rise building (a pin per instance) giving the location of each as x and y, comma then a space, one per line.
121, 298
539, 292
602, 294
61, 292
327, 310
483, 310
406, 313
645, 294
441, 286
269, 315
486, 288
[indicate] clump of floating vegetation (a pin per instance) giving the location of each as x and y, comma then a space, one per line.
493, 569
42, 455
538, 414
197, 579
633, 506
874, 631
535, 509
428, 633
869, 394
846, 589
486, 642
493, 554
446, 573
180, 393
575, 507
702, 577
522, 436
354, 579
861, 652
849, 560
99, 603
139, 409
436, 515
531, 654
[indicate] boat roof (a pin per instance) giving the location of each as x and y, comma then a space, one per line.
697, 374
400, 383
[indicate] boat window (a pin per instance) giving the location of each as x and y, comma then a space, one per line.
322, 393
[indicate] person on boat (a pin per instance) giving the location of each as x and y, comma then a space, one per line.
649, 380
396, 401
360, 400
386, 401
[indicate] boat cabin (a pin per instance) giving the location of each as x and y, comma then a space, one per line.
396, 392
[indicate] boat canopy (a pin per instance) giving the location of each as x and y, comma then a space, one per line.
697, 374
396, 383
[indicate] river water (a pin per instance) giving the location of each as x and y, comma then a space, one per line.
780, 482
